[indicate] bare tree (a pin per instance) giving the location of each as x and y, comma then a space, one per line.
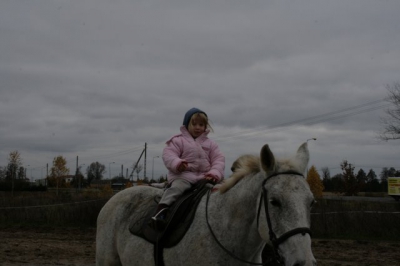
14, 162
351, 187
391, 123
325, 173
95, 171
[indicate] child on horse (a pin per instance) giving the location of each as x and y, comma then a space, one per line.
189, 157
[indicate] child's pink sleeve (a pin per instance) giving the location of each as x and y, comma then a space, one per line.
171, 155
217, 160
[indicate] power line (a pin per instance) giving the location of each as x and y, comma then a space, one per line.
312, 120
116, 154
349, 114
340, 114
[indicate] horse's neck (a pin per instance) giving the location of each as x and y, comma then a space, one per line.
247, 189
237, 210
241, 201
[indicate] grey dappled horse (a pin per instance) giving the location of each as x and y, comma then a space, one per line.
236, 214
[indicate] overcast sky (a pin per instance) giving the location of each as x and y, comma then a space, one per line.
99, 78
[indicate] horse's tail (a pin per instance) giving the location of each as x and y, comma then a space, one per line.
243, 166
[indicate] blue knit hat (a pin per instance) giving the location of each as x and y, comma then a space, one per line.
189, 115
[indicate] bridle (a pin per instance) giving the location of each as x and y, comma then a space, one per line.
276, 241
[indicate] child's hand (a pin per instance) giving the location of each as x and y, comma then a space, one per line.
211, 178
182, 167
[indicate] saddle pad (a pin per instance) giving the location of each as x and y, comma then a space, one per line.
179, 218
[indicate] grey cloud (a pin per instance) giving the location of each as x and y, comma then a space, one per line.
95, 78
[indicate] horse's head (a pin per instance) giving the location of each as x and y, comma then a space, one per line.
288, 202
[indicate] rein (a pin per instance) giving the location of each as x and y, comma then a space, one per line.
275, 241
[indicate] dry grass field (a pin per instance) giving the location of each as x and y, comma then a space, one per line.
76, 247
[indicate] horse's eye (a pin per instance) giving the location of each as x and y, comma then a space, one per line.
275, 202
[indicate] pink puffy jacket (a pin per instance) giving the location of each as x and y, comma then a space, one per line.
202, 155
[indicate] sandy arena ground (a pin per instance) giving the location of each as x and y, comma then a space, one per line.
76, 247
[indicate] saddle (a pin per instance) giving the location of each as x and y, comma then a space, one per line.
178, 220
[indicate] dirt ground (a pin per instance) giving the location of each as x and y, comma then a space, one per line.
76, 247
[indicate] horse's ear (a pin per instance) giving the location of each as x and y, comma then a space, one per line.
303, 156
267, 159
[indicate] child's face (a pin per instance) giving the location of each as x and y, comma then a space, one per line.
196, 127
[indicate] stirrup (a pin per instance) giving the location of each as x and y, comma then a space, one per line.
160, 215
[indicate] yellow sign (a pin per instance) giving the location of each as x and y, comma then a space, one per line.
394, 186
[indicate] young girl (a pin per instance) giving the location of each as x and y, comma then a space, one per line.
189, 157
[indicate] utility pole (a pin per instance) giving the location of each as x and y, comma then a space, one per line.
76, 174
137, 162
145, 158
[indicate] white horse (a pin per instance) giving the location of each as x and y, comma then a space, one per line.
237, 216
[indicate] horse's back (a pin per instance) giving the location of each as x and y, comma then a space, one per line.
114, 219
126, 203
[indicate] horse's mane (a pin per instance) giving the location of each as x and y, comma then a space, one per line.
243, 166
249, 164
